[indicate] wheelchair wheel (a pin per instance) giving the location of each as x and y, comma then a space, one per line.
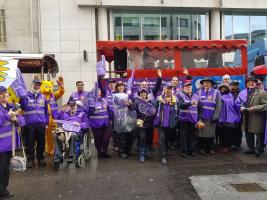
87, 145
81, 161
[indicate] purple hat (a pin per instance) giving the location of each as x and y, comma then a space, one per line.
2, 89
71, 101
207, 79
36, 79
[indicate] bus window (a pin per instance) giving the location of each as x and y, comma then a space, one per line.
150, 59
209, 58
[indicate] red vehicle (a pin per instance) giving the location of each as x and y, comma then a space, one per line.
201, 57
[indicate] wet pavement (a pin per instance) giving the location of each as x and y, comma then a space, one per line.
118, 179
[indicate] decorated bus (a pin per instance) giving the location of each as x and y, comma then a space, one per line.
213, 58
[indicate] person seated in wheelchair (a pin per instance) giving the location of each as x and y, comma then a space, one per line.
78, 119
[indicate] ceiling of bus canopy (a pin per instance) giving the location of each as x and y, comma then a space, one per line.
106, 47
34, 65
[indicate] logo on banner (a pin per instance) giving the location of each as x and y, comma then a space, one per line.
3, 70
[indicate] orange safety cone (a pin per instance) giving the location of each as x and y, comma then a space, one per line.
155, 138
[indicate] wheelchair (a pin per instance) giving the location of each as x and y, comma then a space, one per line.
82, 150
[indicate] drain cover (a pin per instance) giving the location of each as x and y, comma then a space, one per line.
248, 187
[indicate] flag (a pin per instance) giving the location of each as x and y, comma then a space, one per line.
19, 86
130, 82
101, 66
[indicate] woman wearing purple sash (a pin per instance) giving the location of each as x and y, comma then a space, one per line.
188, 117
229, 118
166, 119
7, 120
145, 115
99, 120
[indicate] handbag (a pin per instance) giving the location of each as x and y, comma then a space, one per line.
17, 163
140, 122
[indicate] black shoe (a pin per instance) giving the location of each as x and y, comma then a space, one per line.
100, 156
6, 195
257, 154
56, 165
105, 155
151, 148
41, 163
70, 159
29, 164
183, 155
192, 154
172, 147
249, 152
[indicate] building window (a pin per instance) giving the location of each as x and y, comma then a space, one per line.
118, 21
164, 22
131, 21
2, 29
152, 21
183, 37
245, 26
184, 23
159, 25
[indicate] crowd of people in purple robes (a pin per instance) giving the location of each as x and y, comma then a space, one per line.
209, 120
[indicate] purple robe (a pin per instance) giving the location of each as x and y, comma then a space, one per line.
190, 114
167, 115
98, 113
241, 98
80, 96
6, 129
208, 102
229, 111
35, 109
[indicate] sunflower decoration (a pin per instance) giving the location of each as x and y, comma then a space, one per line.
3, 70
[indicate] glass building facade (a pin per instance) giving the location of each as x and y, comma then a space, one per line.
245, 26
159, 25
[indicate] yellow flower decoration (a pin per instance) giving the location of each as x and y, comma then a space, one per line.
3, 74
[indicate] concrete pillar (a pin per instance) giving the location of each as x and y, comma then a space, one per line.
215, 25
102, 24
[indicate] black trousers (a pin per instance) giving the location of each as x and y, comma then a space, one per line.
149, 137
164, 137
4, 171
187, 136
34, 135
237, 136
125, 142
142, 137
206, 144
226, 136
173, 137
250, 138
217, 134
